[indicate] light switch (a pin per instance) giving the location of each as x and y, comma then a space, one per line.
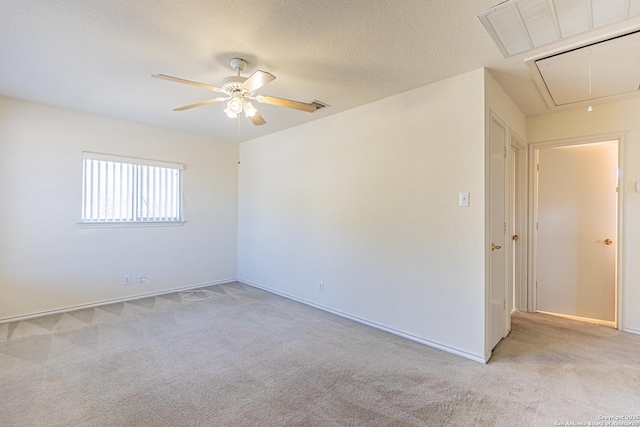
638, 186
463, 200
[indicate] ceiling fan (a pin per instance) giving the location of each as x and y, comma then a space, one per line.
239, 91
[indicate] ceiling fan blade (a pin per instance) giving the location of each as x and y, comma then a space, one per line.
187, 82
281, 102
257, 119
257, 80
199, 104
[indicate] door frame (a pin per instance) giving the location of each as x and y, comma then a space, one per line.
518, 223
534, 149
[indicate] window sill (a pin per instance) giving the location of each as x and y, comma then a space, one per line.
130, 224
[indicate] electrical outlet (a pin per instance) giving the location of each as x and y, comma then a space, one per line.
320, 286
140, 277
126, 279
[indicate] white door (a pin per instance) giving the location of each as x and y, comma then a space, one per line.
577, 228
497, 232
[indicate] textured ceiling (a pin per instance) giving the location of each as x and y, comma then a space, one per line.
98, 55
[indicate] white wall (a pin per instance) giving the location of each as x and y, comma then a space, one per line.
367, 201
48, 262
621, 116
499, 102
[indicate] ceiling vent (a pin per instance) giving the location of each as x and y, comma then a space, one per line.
517, 26
599, 72
319, 104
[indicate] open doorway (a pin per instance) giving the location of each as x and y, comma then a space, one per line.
575, 229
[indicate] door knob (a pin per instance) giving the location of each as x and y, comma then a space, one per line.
608, 242
494, 246
515, 237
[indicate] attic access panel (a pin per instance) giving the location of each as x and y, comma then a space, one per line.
606, 70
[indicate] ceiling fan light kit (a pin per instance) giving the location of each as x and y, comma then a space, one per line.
235, 104
249, 109
230, 113
239, 90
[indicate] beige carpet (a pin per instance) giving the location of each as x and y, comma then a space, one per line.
249, 358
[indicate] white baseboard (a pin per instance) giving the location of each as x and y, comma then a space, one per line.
112, 301
632, 331
475, 358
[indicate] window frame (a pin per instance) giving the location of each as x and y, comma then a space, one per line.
137, 222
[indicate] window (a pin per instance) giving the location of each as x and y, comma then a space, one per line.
119, 190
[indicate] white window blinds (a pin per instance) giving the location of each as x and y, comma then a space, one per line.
119, 189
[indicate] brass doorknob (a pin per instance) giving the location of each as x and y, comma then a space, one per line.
515, 237
608, 242
494, 246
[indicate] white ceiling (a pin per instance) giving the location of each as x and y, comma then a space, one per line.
98, 55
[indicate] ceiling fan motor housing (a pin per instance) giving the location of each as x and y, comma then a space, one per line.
233, 84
